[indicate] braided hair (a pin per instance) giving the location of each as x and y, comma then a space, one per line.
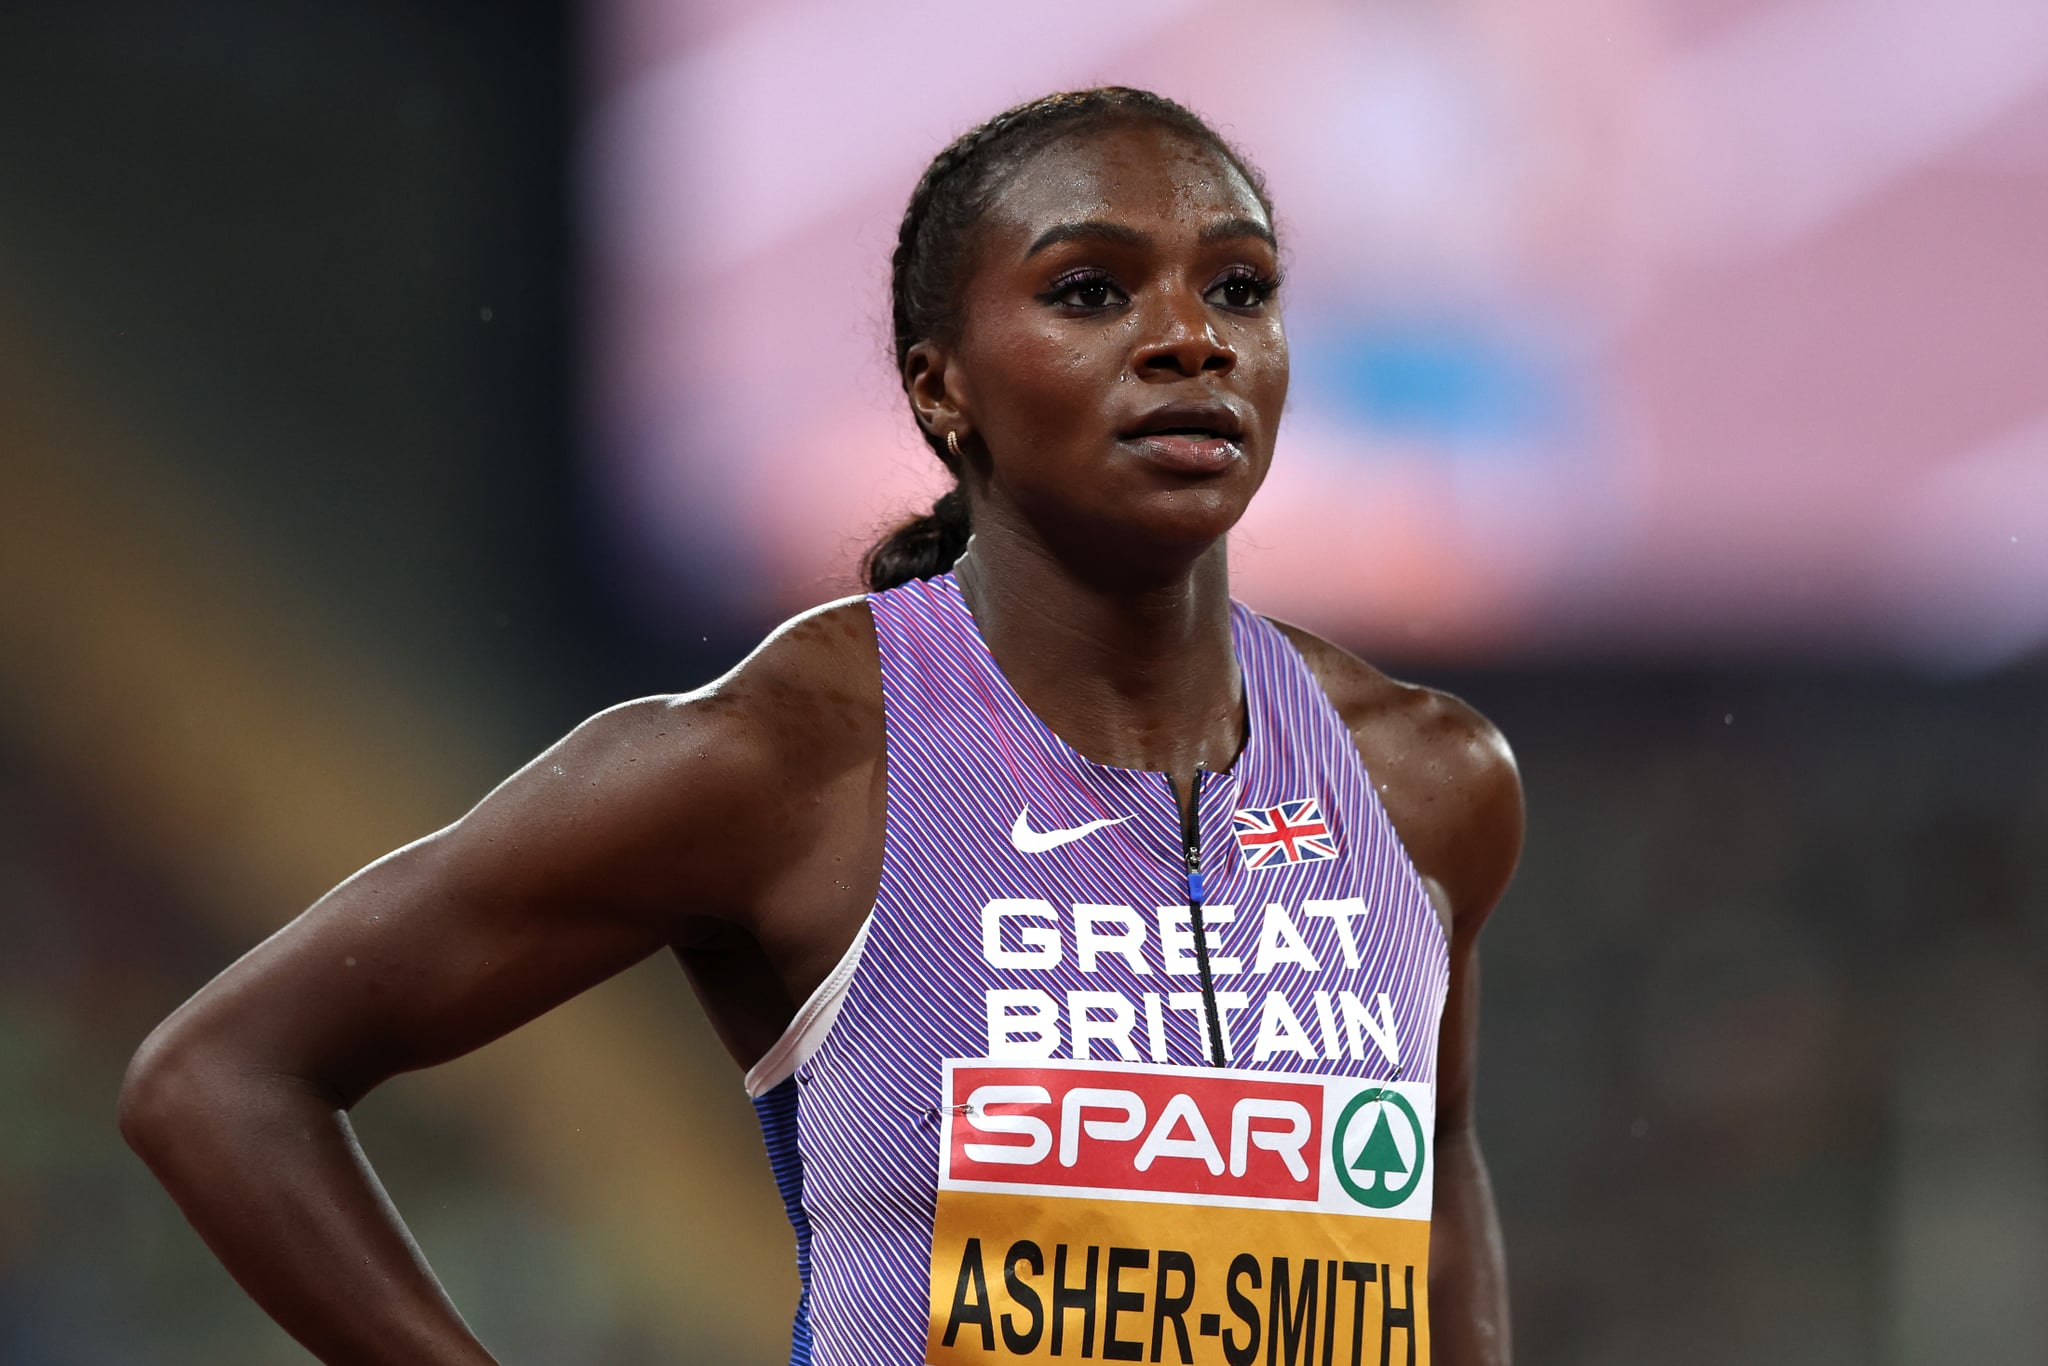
928, 269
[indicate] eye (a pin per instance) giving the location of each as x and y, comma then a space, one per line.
1243, 288
1087, 291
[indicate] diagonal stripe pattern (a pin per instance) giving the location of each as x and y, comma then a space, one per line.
852, 1118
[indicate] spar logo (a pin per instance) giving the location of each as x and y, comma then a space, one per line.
1377, 1148
1206, 1136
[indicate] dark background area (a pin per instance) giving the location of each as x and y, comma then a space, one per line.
297, 557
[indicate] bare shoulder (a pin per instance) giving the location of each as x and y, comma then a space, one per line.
808, 697
807, 700
1444, 772
712, 789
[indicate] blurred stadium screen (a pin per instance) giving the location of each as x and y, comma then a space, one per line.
1599, 310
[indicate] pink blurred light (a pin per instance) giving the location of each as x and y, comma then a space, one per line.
1803, 236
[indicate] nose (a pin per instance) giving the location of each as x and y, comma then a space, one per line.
1181, 340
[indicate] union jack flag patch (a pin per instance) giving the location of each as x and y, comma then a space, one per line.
1292, 832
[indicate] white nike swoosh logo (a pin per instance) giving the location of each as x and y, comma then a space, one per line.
1029, 841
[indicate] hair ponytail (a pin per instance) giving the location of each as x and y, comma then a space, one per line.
921, 548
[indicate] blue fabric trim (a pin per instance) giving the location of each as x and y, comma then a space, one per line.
778, 1113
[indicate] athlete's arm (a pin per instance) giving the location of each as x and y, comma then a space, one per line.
1457, 802
636, 831
1449, 784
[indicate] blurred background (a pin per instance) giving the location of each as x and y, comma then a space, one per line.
383, 388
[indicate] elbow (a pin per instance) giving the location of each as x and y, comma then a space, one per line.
160, 1093
193, 1085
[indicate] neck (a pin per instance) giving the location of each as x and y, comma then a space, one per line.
1133, 671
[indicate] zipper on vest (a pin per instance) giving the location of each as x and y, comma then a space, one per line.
1191, 847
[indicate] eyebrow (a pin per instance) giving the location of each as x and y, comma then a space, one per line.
1088, 230
1238, 227
1096, 230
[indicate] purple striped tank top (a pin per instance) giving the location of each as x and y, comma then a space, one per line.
1037, 1114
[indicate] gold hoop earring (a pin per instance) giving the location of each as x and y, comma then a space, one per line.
953, 444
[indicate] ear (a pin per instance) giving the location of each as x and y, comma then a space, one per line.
933, 384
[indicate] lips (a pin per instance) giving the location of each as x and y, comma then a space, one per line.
1193, 437
1201, 418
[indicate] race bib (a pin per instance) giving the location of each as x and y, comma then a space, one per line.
1201, 1216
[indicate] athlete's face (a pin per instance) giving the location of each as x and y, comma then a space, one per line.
1121, 364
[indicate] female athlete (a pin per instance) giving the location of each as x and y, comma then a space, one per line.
1101, 953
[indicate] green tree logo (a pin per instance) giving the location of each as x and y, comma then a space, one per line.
1380, 1158
1377, 1175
